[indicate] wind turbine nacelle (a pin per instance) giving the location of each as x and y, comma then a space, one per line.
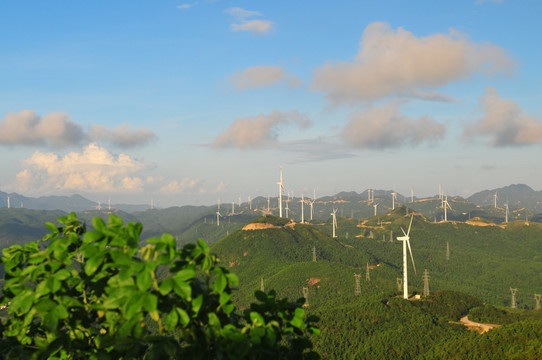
402, 238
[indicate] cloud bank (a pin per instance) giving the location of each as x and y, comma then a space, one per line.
396, 62
504, 122
94, 169
261, 76
258, 131
58, 130
386, 127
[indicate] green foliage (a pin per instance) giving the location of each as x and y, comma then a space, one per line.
273, 220
98, 295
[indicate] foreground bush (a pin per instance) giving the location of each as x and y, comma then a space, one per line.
96, 294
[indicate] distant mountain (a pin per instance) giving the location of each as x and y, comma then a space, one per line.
54, 202
517, 196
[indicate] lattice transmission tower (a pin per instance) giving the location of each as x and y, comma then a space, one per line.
514, 292
425, 283
357, 292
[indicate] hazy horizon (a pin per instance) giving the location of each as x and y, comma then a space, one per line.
186, 102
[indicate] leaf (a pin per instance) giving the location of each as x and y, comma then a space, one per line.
257, 319
185, 274
183, 317
171, 319
182, 289
166, 286
233, 280
92, 236
150, 302
98, 223
196, 304
144, 280
92, 264
220, 283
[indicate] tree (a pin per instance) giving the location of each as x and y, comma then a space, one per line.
79, 294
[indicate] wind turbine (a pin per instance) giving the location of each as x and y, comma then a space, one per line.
233, 207
406, 242
302, 201
393, 196
311, 203
506, 212
446, 205
267, 202
411, 195
281, 189
375, 206
334, 223
9, 203
495, 197
218, 214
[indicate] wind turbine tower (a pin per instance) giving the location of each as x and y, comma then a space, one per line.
393, 197
233, 207
446, 206
302, 201
406, 242
514, 292
495, 198
334, 223
375, 206
268, 207
9, 203
411, 195
249, 203
506, 212
281, 190
218, 214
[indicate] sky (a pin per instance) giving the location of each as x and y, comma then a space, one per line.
187, 102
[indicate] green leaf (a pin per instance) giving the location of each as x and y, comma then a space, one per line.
183, 317
182, 289
233, 280
22, 302
92, 264
92, 236
257, 319
196, 304
220, 283
51, 227
166, 286
144, 280
185, 274
171, 319
150, 302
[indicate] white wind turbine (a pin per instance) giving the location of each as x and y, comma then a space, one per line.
495, 196
218, 214
281, 189
506, 212
393, 197
311, 203
334, 223
411, 195
445, 206
302, 201
406, 242
375, 206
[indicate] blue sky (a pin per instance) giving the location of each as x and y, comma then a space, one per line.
188, 102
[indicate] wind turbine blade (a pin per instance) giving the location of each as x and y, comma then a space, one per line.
404, 233
409, 225
411, 257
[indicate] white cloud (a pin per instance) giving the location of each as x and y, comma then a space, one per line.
58, 130
261, 76
94, 169
258, 131
504, 122
122, 135
176, 187
396, 62
219, 188
386, 127
241, 14
184, 6
243, 23
254, 26
27, 128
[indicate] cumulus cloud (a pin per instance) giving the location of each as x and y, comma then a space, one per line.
27, 128
94, 169
396, 62
504, 122
177, 187
261, 76
58, 130
245, 23
386, 127
258, 131
122, 135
